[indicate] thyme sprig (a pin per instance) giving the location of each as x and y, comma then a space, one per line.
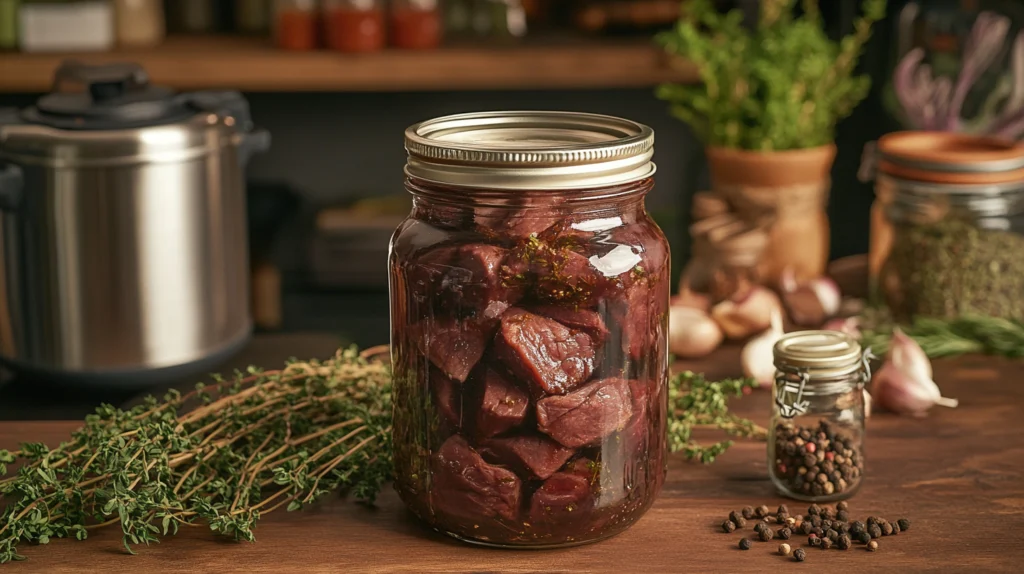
947, 337
694, 402
229, 453
252, 444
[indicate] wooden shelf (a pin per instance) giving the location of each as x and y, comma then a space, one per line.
252, 64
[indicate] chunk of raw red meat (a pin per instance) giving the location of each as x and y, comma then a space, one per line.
564, 276
427, 271
548, 355
590, 322
474, 281
636, 314
464, 485
586, 415
564, 496
454, 346
503, 405
534, 454
447, 397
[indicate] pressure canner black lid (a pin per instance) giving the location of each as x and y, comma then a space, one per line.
106, 97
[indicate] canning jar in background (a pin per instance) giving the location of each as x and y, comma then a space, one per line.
529, 296
296, 24
355, 25
816, 433
415, 24
948, 226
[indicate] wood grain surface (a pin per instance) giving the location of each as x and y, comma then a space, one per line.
958, 475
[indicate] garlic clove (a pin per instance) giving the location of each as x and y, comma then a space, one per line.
903, 393
692, 332
758, 357
908, 356
810, 302
747, 312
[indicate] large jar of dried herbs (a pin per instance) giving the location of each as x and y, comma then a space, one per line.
954, 243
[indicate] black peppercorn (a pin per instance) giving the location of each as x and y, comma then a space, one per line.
784, 533
844, 542
761, 511
826, 512
842, 527
826, 544
781, 518
735, 516
766, 534
842, 505
895, 527
875, 531
858, 527
872, 546
805, 528
759, 527
843, 516
814, 510
826, 523
739, 521
813, 540
783, 509
872, 520
816, 521
745, 544
904, 524
886, 529
818, 532
747, 512
728, 526
832, 534
799, 554
863, 537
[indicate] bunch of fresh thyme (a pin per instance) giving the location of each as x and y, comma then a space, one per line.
694, 402
228, 453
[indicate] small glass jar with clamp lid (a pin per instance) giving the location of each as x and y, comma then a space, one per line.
816, 436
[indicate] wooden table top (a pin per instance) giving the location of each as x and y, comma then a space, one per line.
958, 475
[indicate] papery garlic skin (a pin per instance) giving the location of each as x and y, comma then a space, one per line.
811, 302
904, 384
757, 357
746, 313
692, 334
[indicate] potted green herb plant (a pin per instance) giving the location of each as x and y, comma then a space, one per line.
766, 110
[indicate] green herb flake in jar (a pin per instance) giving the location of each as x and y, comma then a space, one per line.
948, 234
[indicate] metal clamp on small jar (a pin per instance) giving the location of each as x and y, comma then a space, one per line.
816, 450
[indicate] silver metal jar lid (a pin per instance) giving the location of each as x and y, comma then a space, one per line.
821, 354
530, 150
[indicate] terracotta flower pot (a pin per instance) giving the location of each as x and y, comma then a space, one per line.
788, 192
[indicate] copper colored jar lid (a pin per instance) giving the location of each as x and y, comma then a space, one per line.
951, 158
530, 150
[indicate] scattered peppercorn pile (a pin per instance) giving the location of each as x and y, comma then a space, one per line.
817, 460
824, 527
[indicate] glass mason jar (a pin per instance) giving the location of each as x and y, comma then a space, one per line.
415, 24
956, 226
296, 24
529, 297
355, 25
816, 434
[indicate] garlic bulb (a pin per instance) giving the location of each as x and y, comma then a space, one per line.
747, 312
758, 357
690, 298
904, 384
848, 325
811, 302
691, 332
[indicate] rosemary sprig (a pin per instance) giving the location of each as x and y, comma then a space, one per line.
229, 453
695, 402
948, 337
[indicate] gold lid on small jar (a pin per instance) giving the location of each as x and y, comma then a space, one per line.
530, 150
822, 354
